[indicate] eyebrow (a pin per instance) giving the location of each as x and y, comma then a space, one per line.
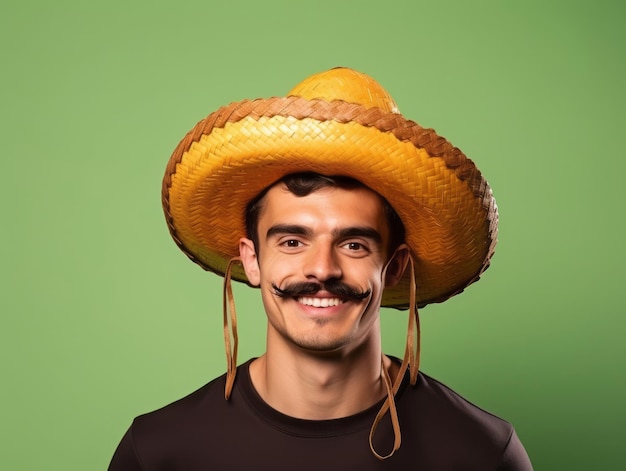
365, 232
294, 229
283, 229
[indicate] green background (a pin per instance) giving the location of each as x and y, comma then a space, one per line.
103, 318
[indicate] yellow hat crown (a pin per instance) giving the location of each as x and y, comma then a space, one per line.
348, 85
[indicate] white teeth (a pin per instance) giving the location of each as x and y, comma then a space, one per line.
320, 302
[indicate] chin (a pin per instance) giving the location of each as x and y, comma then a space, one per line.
320, 345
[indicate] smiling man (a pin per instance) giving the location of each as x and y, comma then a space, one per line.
333, 205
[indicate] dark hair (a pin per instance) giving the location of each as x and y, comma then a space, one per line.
302, 184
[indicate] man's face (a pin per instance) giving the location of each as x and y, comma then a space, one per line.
321, 265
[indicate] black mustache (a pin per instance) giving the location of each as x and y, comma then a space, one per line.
336, 287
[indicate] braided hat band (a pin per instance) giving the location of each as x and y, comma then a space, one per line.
339, 122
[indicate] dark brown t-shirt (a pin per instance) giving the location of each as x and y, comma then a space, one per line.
440, 431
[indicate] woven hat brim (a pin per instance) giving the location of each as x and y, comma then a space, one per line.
228, 158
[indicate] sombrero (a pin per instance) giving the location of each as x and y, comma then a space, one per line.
338, 122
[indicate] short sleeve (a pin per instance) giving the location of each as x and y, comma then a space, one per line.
515, 457
124, 458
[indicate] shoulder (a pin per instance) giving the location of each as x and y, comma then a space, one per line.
445, 403
170, 431
182, 410
160, 429
456, 427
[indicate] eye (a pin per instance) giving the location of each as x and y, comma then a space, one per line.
353, 246
291, 243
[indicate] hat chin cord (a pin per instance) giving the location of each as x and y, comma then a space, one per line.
230, 328
410, 361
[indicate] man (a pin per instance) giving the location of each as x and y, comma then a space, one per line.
334, 205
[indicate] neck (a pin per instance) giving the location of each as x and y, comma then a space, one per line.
310, 385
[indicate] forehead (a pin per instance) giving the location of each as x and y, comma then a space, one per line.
332, 206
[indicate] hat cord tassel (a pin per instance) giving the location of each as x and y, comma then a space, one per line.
230, 329
411, 361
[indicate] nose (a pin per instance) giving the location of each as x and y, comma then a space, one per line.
322, 264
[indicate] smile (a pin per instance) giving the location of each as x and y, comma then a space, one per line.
319, 302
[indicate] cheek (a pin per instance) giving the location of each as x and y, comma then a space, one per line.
366, 275
275, 269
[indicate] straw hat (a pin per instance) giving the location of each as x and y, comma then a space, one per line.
338, 122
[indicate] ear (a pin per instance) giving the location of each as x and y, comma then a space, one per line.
249, 260
396, 265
